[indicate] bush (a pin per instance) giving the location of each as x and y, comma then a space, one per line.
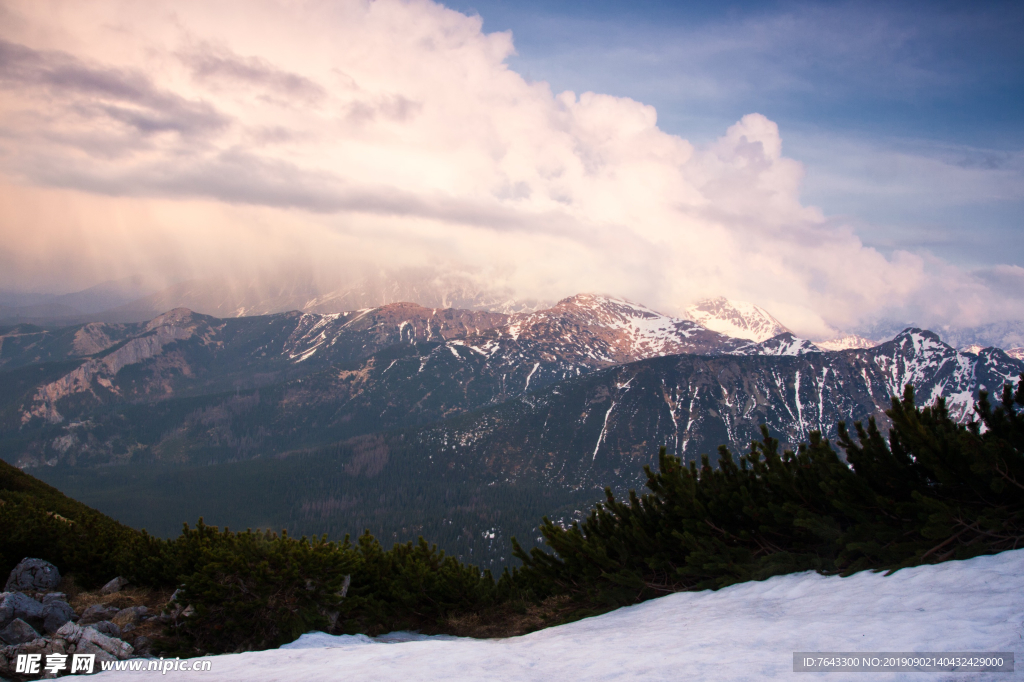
413, 586
256, 590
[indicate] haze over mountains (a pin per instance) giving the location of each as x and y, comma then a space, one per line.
134, 300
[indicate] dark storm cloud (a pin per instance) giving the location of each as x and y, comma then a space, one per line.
128, 97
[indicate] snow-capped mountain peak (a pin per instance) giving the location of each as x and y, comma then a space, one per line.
735, 318
613, 330
783, 344
920, 358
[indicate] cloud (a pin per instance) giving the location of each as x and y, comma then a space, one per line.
124, 95
208, 63
192, 138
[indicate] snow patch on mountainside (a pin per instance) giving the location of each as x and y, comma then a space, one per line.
735, 318
846, 342
743, 632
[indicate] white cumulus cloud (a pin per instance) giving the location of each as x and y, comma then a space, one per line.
194, 138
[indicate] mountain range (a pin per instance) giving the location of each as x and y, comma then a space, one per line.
466, 425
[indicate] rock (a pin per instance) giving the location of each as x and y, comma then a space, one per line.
55, 614
175, 607
107, 627
33, 575
18, 632
57, 646
17, 605
131, 616
9, 655
101, 654
90, 641
54, 596
114, 585
96, 613
111, 645
69, 634
142, 645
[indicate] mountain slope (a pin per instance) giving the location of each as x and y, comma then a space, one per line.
735, 318
603, 428
235, 388
846, 342
323, 377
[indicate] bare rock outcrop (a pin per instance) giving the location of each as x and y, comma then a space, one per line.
33, 575
176, 325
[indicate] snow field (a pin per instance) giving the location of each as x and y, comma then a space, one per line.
744, 632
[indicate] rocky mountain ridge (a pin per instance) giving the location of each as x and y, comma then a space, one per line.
580, 334
237, 387
603, 428
847, 342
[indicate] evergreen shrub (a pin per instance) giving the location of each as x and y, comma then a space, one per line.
255, 590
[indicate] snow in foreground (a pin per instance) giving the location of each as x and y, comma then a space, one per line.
743, 632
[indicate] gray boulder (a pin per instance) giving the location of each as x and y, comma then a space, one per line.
17, 605
142, 645
18, 632
96, 613
54, 596
89, 640
33, 575
55, 614
108, 628
114, 585
130, 616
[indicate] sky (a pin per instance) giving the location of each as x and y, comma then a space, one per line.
837, 164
